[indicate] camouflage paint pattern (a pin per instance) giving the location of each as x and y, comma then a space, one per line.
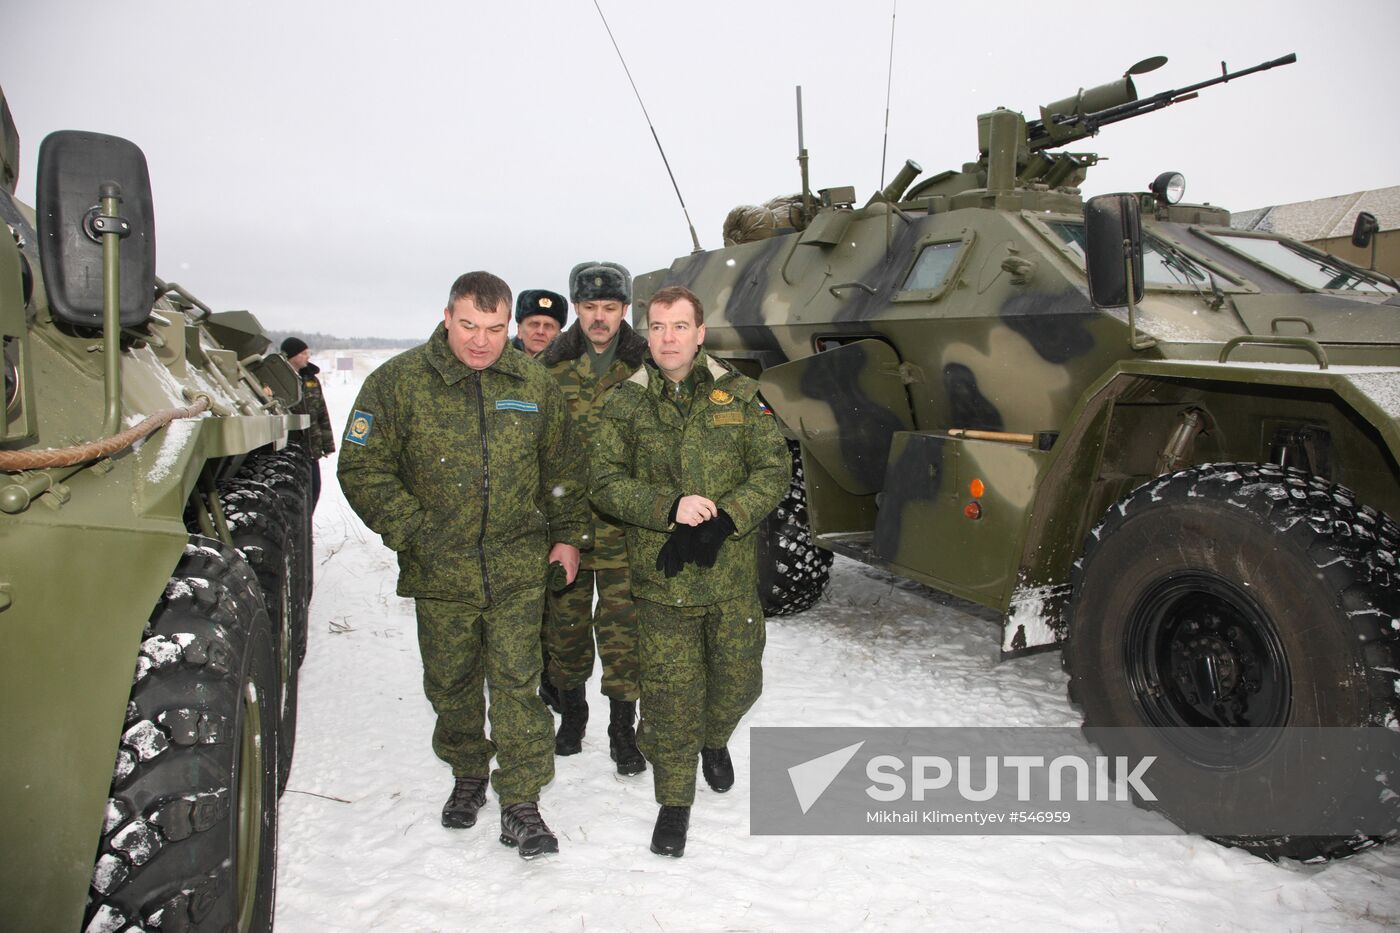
883, 331
469, 476
572, 622
702, 669
464, 648
728, 448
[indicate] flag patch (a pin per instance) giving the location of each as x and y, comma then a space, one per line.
510, 404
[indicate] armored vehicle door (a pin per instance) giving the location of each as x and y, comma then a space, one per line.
845, 405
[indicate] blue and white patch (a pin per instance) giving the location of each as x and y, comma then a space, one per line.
510, 404
361, 423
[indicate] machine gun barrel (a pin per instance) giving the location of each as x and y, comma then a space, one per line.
1081, 125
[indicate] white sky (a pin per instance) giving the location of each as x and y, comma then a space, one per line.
332, 166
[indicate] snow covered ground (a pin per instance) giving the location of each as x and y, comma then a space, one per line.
362, 848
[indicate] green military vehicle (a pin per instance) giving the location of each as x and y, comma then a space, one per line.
154, 568
1164, 445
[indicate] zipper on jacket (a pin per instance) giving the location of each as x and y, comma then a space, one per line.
485, 485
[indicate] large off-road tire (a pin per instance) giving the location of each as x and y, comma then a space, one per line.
259, 530
190, 838
1240, 595
286, 473
792, 570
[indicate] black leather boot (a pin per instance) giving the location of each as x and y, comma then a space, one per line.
717, 768
468, 794
668, 838
573, 722
622, 738
523, 828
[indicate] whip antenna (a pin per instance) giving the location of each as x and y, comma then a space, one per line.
693, 238
889, 82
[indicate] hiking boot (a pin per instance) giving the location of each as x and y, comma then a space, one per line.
622, 739
717, 768
550, 694
569, 739
668, 838
468, 794
523, 828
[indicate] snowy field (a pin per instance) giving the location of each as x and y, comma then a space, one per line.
362, 848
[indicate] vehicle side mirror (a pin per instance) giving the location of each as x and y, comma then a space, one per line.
73, 167
1365, 228
1113, 233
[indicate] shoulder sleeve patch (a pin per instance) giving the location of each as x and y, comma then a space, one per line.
361, 423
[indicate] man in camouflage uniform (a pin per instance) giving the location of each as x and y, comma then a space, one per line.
539, 316
319, 437
691, 459
599, 351
460, 453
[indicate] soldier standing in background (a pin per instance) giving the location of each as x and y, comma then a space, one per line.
691, 459
460, 453
598, 352
539, 316
319, 438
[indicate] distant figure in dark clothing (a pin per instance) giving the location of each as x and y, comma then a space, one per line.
319, 438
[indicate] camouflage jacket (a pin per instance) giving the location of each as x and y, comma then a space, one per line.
320, 436
469, 476
568, 360
728, 448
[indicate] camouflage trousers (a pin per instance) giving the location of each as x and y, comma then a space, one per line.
572, 623
702, 668
464, 649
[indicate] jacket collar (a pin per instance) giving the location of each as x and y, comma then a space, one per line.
511, 362
573, 343
650, 378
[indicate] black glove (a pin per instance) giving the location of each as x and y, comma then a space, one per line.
709, 536
556, 578
677, 551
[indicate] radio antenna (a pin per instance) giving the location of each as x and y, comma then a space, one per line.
693, 238
889, 83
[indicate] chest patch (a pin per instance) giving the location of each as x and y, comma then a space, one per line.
311, 383
361, 423
727, 417
720, 397
510, 404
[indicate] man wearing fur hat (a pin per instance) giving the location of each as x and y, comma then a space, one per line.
319, 438
539, 317
598, 352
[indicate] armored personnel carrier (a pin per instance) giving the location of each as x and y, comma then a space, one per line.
1165, 446
154, 567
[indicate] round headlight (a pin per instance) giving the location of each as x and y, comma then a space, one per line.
1169, 187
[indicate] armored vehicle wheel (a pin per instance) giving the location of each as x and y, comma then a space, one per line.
1239, 595
190, 839
287, 475
260, 533
792, 570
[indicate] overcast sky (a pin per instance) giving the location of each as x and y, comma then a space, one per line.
332, 166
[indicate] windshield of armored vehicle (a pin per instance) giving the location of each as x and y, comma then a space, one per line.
1162, 264
1313, 270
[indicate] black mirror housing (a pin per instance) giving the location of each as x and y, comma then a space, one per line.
1364, 229
73, 166
1113, 233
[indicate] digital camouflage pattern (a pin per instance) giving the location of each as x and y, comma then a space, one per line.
573, 622
727, 448
469, 476
319, 435
461, 645
702, 669
568, 361
568, 634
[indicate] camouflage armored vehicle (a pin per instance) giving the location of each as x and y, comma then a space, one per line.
1178, 463
154, 568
